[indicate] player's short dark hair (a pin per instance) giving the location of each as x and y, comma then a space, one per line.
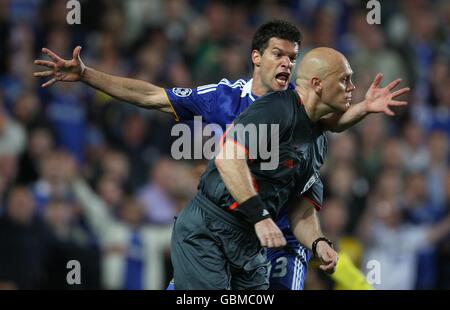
275, 29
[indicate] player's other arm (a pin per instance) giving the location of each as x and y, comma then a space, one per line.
306, 229
140, 93
377, 100
231, 162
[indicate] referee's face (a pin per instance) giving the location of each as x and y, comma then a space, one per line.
338, 87
275, 64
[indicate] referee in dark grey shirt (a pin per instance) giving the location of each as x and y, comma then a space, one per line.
219, 238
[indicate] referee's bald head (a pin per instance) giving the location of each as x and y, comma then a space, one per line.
320, 62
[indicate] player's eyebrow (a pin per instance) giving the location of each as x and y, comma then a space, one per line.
293, 55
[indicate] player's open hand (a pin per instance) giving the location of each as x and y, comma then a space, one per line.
328, 257
61, 69
382, 99
269, 234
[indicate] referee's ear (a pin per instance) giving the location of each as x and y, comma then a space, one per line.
256, 58
316, 84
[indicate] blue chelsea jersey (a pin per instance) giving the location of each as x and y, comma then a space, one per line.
217, 103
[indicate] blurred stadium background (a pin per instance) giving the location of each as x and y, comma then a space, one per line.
85, 177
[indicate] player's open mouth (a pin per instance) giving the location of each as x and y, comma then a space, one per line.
282, 78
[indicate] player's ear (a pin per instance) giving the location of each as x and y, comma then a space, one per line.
256, 58
316, 84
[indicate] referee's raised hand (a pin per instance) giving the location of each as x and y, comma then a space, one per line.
381, 99
61, 69
269, 234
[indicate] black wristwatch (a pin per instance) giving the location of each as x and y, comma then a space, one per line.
315, 242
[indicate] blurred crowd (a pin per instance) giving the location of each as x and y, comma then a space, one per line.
85, 177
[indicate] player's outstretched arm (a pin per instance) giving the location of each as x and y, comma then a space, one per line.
136, 92
377, 100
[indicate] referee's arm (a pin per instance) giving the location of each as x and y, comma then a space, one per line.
231, 163
306, 228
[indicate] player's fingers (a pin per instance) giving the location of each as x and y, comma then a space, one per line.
283, 241
270, 243
47, 84
330, 268
400, 92
327, 266
334, 258
52, 55
330, 257
276, 239
265, 240
331, 262
280, 240
389, 112
326, 259
45, 63
76, 52
43, 73
393, 84
396, 103
262, 241
377, 80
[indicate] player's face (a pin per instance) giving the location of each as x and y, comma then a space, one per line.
338, 87
276, 64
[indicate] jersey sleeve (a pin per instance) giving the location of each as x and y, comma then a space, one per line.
265, 121
189, 102
314, 194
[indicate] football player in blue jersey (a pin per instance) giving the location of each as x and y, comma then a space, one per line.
275, 48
